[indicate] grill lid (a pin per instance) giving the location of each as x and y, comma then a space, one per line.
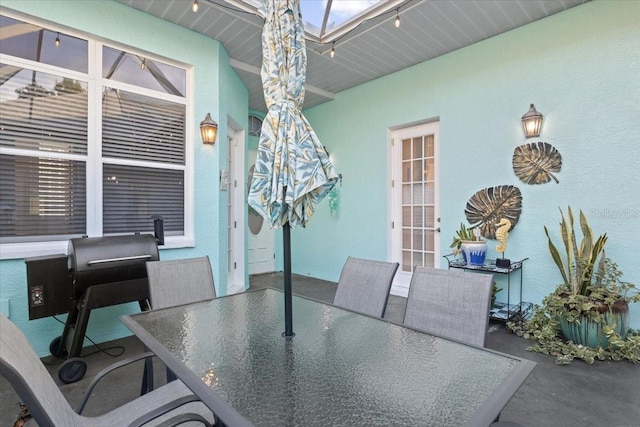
94, 260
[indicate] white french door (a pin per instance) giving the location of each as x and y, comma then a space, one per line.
415, 210
233, 182
261, 238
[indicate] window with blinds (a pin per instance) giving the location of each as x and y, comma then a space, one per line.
59, 157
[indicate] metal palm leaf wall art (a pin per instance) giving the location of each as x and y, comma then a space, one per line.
488, 206
536, 162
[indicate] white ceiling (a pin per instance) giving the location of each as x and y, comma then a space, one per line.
364, 52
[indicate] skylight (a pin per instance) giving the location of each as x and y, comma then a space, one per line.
340, 12
322, 18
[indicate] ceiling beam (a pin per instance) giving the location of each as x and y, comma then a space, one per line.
256, 70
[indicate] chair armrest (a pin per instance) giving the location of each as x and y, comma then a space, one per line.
156, 412
183, 418
175, 420
105, 371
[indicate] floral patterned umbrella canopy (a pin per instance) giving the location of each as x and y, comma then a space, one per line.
293, 172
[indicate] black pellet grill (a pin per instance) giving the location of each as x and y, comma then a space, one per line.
98, 272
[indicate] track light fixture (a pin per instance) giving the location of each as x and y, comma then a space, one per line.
57, 42
397, 23
333, 50
195, 6
143, 64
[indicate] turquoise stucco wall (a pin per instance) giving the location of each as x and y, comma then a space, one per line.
580, 67
218, 91
231, 88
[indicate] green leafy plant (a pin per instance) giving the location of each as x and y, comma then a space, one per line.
494, 290
463, 233
584, 296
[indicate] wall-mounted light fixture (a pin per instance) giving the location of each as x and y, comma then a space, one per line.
208, 130
532, 122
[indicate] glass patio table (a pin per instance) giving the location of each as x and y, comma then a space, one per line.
341, 367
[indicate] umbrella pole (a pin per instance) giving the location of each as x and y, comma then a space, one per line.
288, 313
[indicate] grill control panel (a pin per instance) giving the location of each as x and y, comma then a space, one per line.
49, 286
36, 296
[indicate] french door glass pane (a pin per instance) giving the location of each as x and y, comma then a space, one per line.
418, 196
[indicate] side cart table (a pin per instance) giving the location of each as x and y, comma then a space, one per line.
500, 310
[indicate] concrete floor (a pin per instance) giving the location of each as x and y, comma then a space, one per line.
603, 394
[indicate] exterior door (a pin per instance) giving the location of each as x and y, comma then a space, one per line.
261, 238
232, 180
415, 212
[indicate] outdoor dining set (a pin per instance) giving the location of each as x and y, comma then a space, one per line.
229, 361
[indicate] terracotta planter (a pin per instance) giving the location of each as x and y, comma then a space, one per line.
591, 333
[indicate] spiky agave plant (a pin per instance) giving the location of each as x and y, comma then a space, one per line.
577, 268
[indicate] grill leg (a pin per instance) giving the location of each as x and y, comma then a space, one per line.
144, 305
81, 324
69, 327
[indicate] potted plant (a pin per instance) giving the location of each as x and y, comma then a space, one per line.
468, 242
590, 309
494, 291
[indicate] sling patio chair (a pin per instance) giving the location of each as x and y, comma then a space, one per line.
451, 304
171, 404
364, 286
176, 282
180, 281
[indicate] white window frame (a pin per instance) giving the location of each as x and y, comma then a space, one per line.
94, 161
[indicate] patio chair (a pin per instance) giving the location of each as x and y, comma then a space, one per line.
176, 282
172, 404
180, 281
451, 304
364, 286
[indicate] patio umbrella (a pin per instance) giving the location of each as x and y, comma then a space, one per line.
292, 171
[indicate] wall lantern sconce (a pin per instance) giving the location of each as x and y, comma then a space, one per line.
532, 122
208, 130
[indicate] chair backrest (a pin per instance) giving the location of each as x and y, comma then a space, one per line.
450, 303
364, 286
180, 281
20, 365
